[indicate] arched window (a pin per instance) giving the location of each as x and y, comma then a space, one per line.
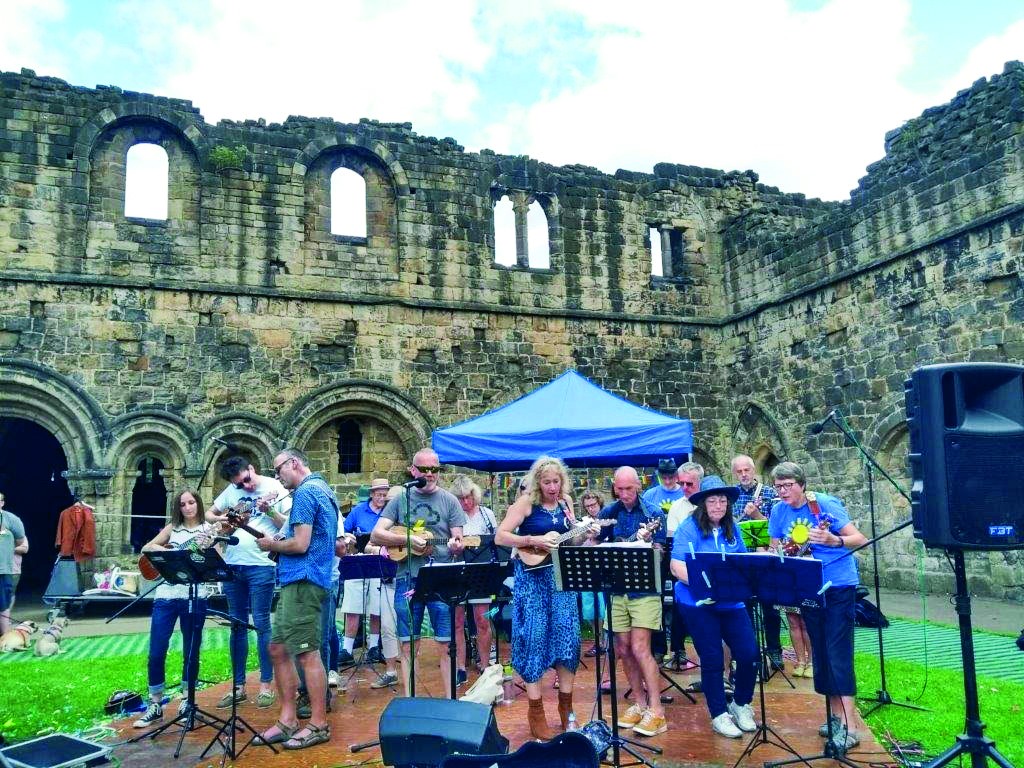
504, 232
350, 446
537, 247
348, 203
149, 497
146, 182
656, 265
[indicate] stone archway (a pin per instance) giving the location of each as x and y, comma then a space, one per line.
234, 433
759, 436
392, 428
149, 459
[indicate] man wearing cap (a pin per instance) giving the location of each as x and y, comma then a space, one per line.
667, 490
634, 617
363, 595
754, 502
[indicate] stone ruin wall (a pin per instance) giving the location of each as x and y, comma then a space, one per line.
242, 317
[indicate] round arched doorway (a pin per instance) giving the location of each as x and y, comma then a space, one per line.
31, 463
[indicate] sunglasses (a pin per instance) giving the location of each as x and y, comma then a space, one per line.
430, 470
277, 469
246, 479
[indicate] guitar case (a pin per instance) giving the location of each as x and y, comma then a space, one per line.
568, 750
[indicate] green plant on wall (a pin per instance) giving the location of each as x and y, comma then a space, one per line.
222, 157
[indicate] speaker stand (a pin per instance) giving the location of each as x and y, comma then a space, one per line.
881, 697
973, 742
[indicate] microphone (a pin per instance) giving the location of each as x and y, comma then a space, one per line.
229, 445
419, 482
817, 427
229, 540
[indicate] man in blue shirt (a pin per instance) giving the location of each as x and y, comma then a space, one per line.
363, 595
634, 617
306, 557
668, 489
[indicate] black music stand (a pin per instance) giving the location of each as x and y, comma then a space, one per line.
236, 722
454, 583
186, 566
739, 577
611, 569
364, 568
755, 535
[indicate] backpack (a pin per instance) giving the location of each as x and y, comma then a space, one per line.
867, 615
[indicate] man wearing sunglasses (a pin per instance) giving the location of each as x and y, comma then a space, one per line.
433, 509
252, 589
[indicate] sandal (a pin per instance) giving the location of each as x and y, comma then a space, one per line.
315, 736
285, 733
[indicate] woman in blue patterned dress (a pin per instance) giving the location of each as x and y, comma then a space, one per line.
545, 623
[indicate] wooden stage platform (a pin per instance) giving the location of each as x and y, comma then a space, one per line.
794, 713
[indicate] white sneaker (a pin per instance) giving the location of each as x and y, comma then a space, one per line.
743, 717
332, 679
154, 714
724, 725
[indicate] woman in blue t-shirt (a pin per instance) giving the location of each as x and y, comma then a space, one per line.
711, 528
819, 524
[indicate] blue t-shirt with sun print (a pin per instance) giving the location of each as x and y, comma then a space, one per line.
838, 565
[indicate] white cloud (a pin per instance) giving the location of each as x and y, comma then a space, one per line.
987, 58
400, 61
801, 98
22, 28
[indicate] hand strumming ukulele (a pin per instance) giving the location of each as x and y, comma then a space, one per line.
537, 557
399, 553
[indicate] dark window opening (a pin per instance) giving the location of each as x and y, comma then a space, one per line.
350, 447
149, 502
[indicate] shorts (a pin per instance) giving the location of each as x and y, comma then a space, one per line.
6, 591
629, 612
831, 632
359, 593
297, 619
440, 618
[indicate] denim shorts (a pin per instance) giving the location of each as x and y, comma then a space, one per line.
440, 618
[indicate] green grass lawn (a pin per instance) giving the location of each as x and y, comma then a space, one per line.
67, 694
1000, 702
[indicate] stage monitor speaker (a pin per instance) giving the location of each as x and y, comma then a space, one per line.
966, 424
423, 732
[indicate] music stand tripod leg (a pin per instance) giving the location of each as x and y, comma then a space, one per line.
761, 735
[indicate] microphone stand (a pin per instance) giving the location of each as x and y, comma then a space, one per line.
882, 696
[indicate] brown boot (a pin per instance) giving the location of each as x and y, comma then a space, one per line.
564, 708
538, 721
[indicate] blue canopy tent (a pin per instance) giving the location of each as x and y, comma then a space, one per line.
569, 417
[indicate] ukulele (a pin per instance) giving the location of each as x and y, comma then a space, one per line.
649, 527
399, 553
799, 543
201, 541
537, 557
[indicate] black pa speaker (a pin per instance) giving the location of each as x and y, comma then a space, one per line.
966, 425
421, 733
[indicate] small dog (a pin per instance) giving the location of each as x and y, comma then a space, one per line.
17, 639
48, 643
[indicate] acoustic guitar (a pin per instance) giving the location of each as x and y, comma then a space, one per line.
399, 553
537, 557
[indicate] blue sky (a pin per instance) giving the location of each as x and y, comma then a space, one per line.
800, 91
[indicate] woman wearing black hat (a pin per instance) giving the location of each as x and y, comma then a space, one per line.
711, 528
